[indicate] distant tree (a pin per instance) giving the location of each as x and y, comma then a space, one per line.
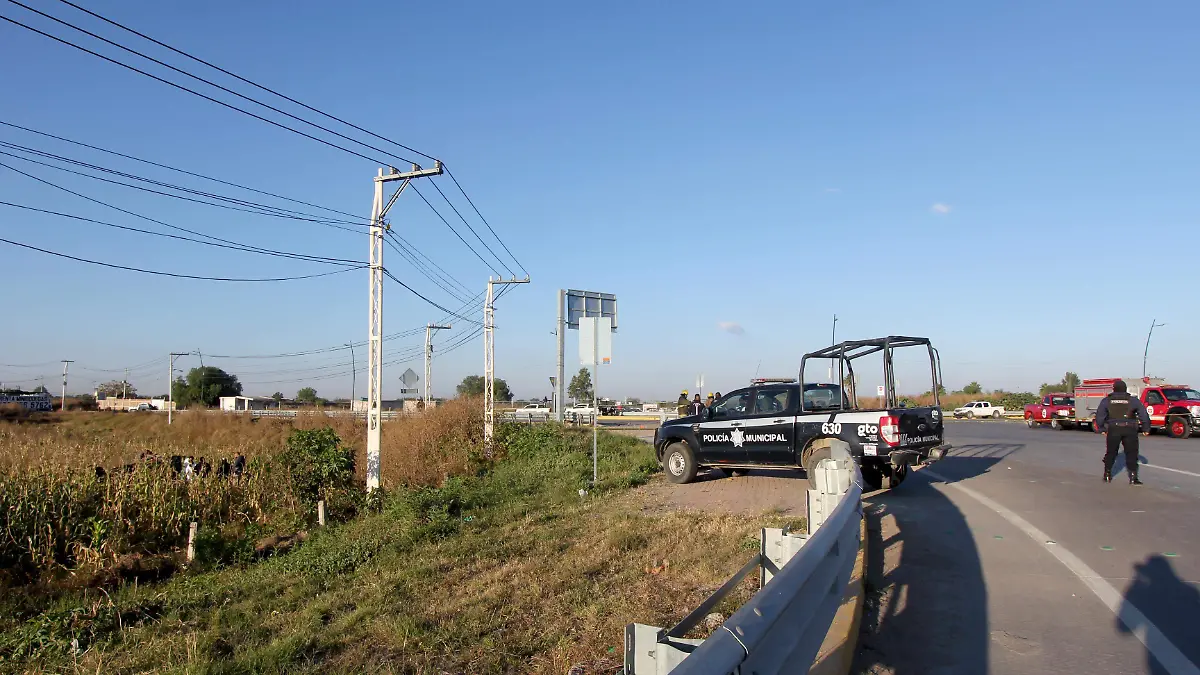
972, 388
117, 389
633, 400
580, 388
41, 389
1068, 384
472, 385
278, 396
204, 386
1070, 381
941, 391
307, 395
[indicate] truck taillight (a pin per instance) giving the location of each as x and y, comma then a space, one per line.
889, 430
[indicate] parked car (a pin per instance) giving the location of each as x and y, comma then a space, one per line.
793, 425
1057, 410
579, 410
532, 411
979, 409
141, 407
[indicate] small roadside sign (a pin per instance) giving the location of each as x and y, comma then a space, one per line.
409, 378
879, 390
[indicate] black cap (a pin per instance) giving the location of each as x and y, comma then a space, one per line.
1120, 385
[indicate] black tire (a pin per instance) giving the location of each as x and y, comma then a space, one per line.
872, 478
1056, 425
739, 472
970, 415
1030, 422
679, 463
895, 477
1179, 427
995, 414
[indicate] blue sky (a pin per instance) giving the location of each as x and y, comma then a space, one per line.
1013, 180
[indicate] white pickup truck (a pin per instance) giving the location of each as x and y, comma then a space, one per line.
579, 411
532, 411
979, 409
141, 407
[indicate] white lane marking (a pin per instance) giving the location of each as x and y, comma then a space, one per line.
1167, 468
1167, 654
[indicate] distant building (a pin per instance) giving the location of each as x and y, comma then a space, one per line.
240, 403
405, 404
114, 403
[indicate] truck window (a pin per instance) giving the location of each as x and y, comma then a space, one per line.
1062, 400
1181, 394
774, 401
732, 406
824, 397
1046, 401
1154, 398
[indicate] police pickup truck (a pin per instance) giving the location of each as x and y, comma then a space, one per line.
791, 424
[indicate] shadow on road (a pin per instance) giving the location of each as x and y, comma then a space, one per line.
926, 609
1158, 596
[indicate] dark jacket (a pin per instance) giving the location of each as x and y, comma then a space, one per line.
695, 408
1103, 421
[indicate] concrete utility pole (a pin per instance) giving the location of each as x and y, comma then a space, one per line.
375, 313
353, 375
65, 363
561, 330
171, 382
125, 385
429, 328
489, 363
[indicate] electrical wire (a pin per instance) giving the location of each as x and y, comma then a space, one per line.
242, 79
190, 91
173, 274
460, 238
464, 220
229, 245
257, 209
424, 270
362, 221
485, 221
427, 300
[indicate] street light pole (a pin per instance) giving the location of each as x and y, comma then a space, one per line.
353, 374
1146, 354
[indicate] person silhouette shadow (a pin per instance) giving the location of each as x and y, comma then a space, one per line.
1160, 609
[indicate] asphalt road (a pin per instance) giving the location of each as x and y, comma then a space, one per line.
1012, 556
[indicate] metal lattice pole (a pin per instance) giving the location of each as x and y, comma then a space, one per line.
489, 362
375, 329
489, 373
375, 339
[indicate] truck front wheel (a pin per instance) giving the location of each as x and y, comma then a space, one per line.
1029, 421
679, 463
1179, 427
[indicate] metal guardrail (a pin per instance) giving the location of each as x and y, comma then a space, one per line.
386, 414
517, 415
803, 581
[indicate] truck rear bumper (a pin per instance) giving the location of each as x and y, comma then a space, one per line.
922, 456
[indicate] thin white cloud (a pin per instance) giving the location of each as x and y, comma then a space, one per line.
940, 208
732, 327
833, 189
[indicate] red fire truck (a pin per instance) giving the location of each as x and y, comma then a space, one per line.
1174, 408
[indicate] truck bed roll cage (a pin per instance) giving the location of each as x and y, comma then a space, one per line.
846, 352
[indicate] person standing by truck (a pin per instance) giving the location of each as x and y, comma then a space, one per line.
1118, 417
697, 406
681, 406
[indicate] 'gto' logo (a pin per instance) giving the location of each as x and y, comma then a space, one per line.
867, 429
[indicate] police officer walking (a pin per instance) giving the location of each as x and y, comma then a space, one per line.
1117, 417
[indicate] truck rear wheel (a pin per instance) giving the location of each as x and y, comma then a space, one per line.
810, 463
679, 463
995, 414
872, 478
1178, 427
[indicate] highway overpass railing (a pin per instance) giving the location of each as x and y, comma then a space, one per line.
802, 582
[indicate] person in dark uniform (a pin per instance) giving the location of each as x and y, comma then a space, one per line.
1117, 417
697, 406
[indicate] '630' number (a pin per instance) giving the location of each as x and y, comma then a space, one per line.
831, 427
